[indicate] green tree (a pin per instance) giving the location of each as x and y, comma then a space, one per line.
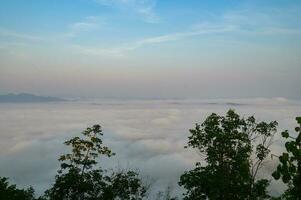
11, 192
80, 177
289, 168
234, 150
124, 185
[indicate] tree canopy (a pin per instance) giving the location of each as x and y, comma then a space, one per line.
80, 178
234, 149
11, 192
289, 168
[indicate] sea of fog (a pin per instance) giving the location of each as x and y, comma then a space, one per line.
148, 135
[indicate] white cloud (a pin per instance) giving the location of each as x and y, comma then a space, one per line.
142, 134
244, 22
122, 50
90, 23
144, 8
256, 23
83, 26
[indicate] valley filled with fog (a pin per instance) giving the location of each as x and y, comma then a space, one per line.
147, 135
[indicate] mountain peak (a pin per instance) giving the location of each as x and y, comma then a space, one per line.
27, 98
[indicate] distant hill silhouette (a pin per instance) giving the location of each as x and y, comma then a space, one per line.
27, 98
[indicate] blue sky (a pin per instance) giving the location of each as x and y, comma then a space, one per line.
151, 48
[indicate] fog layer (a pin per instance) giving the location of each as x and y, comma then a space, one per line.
145, 135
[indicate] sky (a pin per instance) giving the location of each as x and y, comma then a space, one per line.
151, 48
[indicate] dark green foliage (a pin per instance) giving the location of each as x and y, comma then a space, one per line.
228, 144
123, 185
11, 192
289, 168
259, 189
81, 179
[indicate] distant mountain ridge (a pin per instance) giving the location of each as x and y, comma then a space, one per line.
27, 98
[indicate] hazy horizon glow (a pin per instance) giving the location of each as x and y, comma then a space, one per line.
151, 48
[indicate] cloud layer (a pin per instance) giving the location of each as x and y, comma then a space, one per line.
146, 135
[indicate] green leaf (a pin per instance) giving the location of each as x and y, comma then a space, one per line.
286, 178
285, 134
285, 156
282, 159
290, 146
292, 168
276, 175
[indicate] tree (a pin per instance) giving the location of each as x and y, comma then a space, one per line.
234, 149
166, 195
289, 168
11, 192
80, 178
124, 185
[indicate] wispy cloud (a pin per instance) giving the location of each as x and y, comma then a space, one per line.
258, 23
83, 26
262, 22
87, 24
11, 33
144, 8
242, 22
121, 50
198, 29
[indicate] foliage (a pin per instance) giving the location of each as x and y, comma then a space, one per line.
124, 185
289, 168
228, 144
11, 192
80, 178
165, 195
